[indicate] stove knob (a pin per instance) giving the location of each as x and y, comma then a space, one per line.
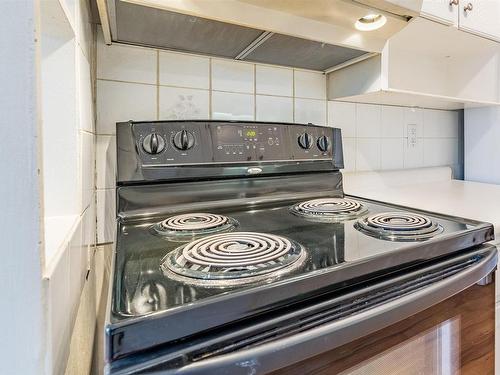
153, 144
323, 143
305, 141
183, 140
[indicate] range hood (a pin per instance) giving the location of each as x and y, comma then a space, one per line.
314, 34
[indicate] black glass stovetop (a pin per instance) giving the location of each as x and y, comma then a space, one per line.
141, 287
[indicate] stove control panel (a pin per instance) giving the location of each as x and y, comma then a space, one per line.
152, 150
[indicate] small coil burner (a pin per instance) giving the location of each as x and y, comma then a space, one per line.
398, 226
329, 209
194, 224
234, 258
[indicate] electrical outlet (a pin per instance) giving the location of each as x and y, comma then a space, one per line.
412, 135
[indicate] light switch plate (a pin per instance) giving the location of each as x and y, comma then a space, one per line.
412, 135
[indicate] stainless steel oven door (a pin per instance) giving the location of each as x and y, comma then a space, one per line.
433, 320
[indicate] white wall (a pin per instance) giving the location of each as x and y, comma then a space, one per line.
135, 83
482, 144
21, 311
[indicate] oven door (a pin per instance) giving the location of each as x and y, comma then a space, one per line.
435, 319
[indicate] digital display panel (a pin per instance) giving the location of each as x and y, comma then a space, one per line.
250, 133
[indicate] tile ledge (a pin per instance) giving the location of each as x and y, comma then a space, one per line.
58, 233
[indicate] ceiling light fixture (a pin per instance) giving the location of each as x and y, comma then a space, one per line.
370, 22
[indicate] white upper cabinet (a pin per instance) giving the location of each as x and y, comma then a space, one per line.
425, 65
480, 17
444, 11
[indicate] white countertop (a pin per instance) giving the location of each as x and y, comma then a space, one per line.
470, 200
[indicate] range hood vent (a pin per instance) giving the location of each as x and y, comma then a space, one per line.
147, 26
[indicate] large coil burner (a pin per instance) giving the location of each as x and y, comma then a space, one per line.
186, 226
329, 209
233, 258
399, 226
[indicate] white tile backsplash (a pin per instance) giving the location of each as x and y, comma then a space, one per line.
440, 124
126, 63
120, 101
440, 151
310, 85
273, 81
368, 120
232, 106
349, 149
392, 122
232, 76
367, 154
343, 115
392, 153
87, 159
177, 69
180, 104
273, 108
106, 213
413, 153
197, 87
310, 111
106, 161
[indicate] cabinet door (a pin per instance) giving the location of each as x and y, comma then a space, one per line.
481, 17
444, 11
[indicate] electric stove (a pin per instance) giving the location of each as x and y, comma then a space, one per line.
221, 225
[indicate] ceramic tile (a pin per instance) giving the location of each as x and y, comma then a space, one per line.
85, 102
392, 153
367, 154
106, 161
126, 63
274, 108
231, 106
349, 149
440, 124
415, 118
183, 104
273, 81
310, 85
414, 154
106, 215
392, 122
343, 115
310, 111
87, 156
77, 270
232, 76
118, 101
368, 120
58, 301
440, 151
182, 70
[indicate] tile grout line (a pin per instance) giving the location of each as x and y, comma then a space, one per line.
158, 84
255, 92
210, 101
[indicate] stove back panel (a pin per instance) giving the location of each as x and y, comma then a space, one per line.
179, 150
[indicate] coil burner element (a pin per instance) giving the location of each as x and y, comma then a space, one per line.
329, 209
234, 258
398, 226
194, 224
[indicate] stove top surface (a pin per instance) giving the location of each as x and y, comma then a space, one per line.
158, 272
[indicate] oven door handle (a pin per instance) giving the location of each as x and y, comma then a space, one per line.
283, 352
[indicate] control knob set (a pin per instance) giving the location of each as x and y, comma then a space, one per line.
305, 141
183, 140
153, 144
